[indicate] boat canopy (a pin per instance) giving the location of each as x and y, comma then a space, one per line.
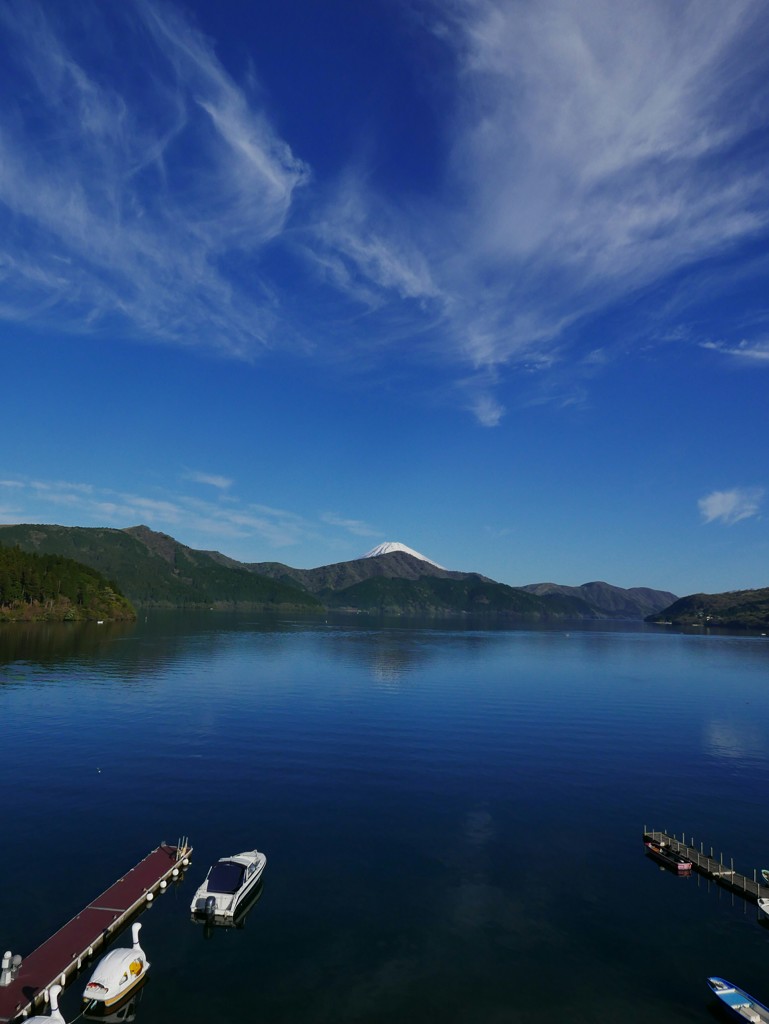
735, 998
225, 877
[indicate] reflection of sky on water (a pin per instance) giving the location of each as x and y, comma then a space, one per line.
737, 739
452, 819
479, 828
389, 665
464, 922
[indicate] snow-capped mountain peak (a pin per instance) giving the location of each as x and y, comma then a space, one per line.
390, 546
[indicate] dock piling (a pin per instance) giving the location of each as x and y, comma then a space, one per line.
61, 956
726, 878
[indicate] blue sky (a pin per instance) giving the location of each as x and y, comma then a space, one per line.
486, 278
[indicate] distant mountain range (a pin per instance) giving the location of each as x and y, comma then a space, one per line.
154, 570
613, 602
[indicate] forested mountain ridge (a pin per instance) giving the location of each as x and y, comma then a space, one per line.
55, 588
735, 609
439, 595
340, 575
154, 570
633, 603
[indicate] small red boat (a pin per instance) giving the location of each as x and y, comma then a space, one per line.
669, 857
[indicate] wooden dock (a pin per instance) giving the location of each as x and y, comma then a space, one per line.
64, 954
712, 867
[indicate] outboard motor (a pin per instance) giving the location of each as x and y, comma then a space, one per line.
210, 908
9, 968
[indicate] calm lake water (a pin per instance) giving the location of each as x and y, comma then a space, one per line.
452, 818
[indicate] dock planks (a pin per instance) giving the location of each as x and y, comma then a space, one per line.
713, 868
63, 955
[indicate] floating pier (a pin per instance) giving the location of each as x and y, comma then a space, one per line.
24, 986
712, 867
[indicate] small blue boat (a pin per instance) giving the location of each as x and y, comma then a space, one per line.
739, 1003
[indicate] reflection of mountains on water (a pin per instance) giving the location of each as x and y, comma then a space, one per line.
133, 653
212, 925
127, 651
45, 643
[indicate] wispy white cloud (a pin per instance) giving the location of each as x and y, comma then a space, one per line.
223, 483
229, 520
125, 202
354, 526
367, 246
748, 351
486, 409
731, 507
73, 503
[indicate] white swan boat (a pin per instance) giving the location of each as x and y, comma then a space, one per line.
120, 1013
229, 882
118, 973
55, 1014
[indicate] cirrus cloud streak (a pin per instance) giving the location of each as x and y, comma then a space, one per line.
587, 151
246, 524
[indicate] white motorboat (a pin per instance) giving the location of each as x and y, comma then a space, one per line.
118, 973
211, 925
763, 905
229, 882
55, 1014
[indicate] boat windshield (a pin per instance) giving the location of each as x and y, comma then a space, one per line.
225, 876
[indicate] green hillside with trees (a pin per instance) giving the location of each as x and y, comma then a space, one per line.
437, 596
154, 570
54, 588
340, 575
736, 609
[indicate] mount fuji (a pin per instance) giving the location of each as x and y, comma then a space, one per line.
390, 546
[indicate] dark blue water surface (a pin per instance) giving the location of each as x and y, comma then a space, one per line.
452, 818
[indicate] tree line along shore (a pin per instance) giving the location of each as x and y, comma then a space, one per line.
53, 588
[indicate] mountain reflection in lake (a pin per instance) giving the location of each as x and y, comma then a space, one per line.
452, 817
